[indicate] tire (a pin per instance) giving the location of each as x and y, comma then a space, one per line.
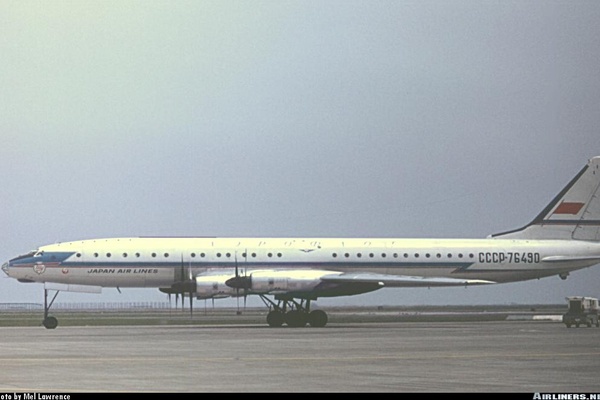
275, 319
296, 318
317, 318
50, 323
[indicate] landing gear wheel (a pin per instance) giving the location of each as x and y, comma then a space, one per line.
317, 318
50, 323
296, 318
275, 319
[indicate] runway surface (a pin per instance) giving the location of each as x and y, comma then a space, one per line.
507, 356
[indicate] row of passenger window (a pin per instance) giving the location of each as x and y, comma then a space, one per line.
405, 255
193, 255
279, 255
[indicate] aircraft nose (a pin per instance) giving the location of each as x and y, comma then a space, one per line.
5, 268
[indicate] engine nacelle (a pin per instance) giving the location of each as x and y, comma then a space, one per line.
258, 282
263, 282
213, 286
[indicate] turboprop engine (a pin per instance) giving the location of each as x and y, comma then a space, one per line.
214, 287
271, 281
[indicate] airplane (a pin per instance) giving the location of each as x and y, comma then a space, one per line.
289, 273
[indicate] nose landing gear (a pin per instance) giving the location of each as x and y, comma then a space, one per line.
49, 321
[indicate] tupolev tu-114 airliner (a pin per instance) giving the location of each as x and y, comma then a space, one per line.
289, 273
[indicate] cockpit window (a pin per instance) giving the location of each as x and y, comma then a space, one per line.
28, 255
39, 253
32, 253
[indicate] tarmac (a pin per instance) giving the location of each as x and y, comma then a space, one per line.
525, 355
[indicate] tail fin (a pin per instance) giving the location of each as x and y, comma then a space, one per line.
574, 214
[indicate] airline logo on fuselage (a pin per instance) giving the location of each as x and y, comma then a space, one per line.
123, 271
39, 268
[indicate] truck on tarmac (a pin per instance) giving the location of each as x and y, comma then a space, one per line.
582, 310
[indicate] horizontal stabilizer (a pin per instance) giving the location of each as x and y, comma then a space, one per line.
62, 287
401, 281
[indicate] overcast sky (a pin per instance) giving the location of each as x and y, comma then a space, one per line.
294, 118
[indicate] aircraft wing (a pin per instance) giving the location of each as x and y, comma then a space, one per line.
385, 280
559, 259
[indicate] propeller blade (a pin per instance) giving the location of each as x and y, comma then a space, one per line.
191, 283
237, 289
236, 266
181, 270
245, 286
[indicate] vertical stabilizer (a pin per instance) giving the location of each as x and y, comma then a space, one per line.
573, 214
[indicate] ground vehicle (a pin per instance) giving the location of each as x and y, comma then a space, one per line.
582, 310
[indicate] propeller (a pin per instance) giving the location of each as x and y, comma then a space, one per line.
184, 284
237, 290
191, 289
239, 282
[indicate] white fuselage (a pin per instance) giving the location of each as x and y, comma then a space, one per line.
157, 262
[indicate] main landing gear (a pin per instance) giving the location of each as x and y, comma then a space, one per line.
293, 313
49, 321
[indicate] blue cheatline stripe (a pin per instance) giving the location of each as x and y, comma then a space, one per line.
46, 257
